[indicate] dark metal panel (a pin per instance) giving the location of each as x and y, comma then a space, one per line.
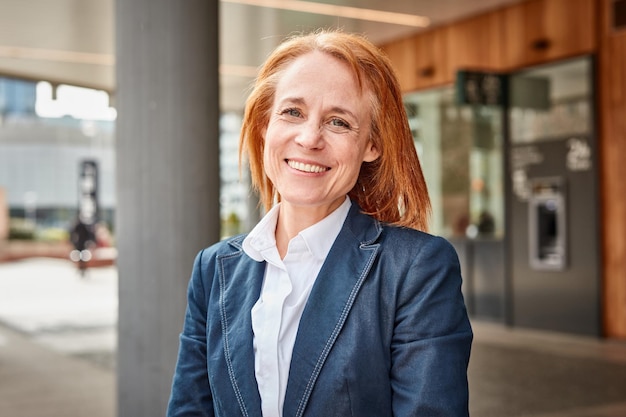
464, 251
483, 268
562, 300
489, 275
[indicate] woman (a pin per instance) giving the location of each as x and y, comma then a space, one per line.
335, 304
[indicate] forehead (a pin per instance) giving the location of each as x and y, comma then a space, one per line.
319, 74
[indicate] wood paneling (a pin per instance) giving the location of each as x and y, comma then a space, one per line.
432, 64
523, 34
612, 122
538, 31
421, 60
403, 61
476, 43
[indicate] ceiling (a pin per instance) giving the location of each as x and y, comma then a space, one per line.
73, 41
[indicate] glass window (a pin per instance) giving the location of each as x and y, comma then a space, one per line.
238, 203
460, 148
45, 135
551, 102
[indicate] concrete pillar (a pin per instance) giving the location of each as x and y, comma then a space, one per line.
167, 182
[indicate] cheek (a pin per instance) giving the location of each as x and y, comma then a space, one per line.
266, 158
270, 143
269, 138
269, 161
274, 141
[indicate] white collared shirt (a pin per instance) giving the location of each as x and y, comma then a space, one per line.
286, 287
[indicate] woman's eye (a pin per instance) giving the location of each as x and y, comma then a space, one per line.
291, 112
339, 123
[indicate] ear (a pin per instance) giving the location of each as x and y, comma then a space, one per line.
371, 152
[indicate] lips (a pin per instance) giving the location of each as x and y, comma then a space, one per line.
312, 168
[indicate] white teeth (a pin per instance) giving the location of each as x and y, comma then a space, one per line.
306, 167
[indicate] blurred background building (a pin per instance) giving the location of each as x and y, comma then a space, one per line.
517, 109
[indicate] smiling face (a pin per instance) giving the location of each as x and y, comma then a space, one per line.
318, 133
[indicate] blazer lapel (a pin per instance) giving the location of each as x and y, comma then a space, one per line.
240, 285
329, 303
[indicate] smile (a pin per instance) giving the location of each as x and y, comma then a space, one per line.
306, 167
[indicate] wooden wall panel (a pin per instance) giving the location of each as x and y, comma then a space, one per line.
476, 43
612, 122
538, 31
432, 59
516, 32
421, 60
403, 61
571, 26
527, 33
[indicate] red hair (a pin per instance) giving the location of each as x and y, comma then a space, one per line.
391, 188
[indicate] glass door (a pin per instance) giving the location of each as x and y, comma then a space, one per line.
461, 151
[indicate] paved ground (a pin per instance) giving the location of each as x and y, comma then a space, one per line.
541, 374
36, 381
57, 354
48, 300
57, 339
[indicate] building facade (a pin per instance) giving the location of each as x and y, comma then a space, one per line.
555, 258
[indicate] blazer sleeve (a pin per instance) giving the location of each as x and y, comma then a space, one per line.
432, 337
191, 393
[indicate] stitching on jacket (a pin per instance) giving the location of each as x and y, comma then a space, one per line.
334, 334
229, 364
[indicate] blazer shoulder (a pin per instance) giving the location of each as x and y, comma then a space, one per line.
406, 241
397, 241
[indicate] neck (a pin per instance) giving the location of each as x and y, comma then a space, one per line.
294, 219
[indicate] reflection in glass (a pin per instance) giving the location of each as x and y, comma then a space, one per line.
460, 149
551, 102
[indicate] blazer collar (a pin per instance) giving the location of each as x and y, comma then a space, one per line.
333, 293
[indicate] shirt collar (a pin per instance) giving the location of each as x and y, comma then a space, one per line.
318, 238
262, 237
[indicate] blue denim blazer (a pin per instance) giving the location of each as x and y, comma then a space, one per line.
384, 333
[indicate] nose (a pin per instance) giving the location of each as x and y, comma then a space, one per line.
310, 135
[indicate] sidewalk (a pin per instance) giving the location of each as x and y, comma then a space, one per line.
542, 374
36, 381
57, 355
57, 339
